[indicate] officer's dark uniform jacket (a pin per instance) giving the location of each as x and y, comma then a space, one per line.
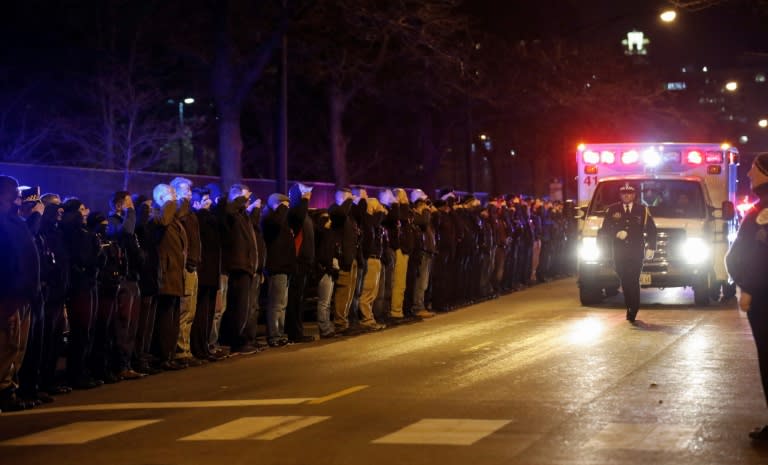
747, 260
640, 228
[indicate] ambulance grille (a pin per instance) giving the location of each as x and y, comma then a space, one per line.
669, 242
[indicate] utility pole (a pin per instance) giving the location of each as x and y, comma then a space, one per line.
281, 162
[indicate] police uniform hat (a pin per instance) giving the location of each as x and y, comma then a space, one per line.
30, 194
627, 187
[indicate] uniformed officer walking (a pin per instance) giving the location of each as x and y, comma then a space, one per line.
747, 263
629, 227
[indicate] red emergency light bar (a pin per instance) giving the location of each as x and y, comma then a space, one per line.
631, 157
694, 157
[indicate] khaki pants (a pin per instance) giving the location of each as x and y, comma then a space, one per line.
370, 290
345, 290
398, 283
187, 314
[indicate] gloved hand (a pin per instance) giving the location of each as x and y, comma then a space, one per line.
621, 235
649, 254
745, 300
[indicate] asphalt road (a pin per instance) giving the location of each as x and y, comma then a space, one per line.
529, 378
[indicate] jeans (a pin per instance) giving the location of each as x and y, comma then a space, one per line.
324, 296
277, 301
422, 281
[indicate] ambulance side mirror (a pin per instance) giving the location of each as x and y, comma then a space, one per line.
728, 210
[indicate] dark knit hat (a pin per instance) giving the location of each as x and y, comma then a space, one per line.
72, 205
95, 219
760, 171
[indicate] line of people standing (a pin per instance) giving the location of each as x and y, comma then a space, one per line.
179, 279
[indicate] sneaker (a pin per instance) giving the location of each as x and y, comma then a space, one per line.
329, 335
373, 326
759, 434
424, 313
246, 349
129, 374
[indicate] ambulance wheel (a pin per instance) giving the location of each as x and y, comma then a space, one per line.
611, 291
701, 292
590, 295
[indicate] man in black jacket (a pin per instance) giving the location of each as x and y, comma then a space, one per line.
302, 228
208, 273
631, 232
121, 230
20, 275
281, 263
343, 215
239, 257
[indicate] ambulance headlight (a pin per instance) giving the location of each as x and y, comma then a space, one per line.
589, 252
695, 250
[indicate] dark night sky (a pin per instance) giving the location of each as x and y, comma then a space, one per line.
715, 35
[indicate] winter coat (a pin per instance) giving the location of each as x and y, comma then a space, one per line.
239, 250
281, 249
191, 226
347, 231
20, 266
84, 249
171, 252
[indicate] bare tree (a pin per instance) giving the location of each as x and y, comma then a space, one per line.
127, 129
345, 44
21, 132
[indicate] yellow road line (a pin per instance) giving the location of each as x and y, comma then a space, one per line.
477, 347
338, 394
163, 405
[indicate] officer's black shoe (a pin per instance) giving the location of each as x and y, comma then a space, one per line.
631, 316
759, 434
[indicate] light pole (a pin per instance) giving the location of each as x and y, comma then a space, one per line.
182, 102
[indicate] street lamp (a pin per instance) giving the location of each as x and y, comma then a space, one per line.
731, 86
763, 123
668, 16
182, 102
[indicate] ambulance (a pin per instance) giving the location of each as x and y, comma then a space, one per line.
690, 190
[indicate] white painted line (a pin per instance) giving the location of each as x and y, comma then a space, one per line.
164, 405
643, 436
255, 428
446, 431
77, 433
338, 394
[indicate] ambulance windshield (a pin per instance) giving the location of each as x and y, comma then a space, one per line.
666, 198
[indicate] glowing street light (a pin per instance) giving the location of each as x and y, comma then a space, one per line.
731, 86
763, 123
668, 16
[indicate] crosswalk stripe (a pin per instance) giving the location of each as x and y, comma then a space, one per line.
255, 428
79, 432
444, 431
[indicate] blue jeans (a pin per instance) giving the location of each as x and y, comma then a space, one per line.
277, 293
324, 295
